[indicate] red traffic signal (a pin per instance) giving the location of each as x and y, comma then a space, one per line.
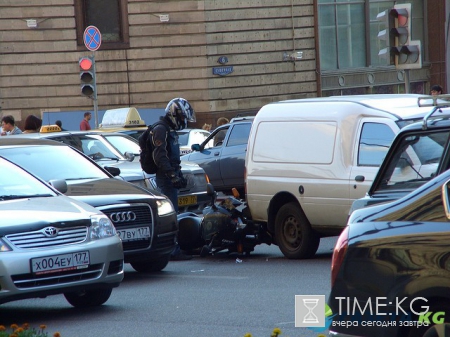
401, 14
402, 23
85, 63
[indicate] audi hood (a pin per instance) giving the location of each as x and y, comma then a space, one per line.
109, 192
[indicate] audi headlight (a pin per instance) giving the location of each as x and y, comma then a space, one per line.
164, 207
4, 246
101, 227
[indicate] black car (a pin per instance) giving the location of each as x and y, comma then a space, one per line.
419, 152
145, 221
222, 155
390, 273
109, 149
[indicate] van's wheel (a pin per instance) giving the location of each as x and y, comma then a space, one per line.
151, 266
88, 298
294, 234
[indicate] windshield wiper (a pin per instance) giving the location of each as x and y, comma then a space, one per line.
82, 178
17, 196
107, 158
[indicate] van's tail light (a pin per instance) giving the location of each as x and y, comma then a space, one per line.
340, 249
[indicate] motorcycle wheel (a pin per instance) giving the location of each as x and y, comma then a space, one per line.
205, 251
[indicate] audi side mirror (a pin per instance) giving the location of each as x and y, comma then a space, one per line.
59, 184
115, 171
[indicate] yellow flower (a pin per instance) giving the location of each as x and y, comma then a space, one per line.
56, 334
14, 326
248, 334
26, 326
43, 326
2, 328
276, 332
19, 330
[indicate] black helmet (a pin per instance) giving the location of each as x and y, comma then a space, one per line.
179, 112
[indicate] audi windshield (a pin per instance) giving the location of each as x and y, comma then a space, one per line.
54, 162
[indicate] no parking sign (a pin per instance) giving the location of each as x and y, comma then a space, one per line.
92, 38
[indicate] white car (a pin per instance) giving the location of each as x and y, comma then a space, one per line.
187, 137
51, 244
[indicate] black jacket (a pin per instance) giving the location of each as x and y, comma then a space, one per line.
166, 153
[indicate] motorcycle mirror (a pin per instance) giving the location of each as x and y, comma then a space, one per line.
210, 189
211, 192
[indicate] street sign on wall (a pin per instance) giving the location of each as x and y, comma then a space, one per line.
92, 38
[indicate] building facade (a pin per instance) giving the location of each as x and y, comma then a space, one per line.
225, 57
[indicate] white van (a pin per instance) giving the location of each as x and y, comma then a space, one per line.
308, 159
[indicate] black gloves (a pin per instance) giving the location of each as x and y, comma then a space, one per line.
177, 180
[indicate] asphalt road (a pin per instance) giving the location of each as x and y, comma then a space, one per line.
214, 296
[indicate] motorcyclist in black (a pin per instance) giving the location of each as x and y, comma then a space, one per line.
166, 153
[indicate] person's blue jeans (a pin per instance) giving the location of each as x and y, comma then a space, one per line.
165, 187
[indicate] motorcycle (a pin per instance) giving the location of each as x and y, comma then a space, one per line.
225, 224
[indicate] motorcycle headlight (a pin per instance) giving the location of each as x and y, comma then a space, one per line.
240, 224
164, 207
101, 227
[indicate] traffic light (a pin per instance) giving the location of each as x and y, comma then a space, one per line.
402, 24
400, 50
386, 38
87, 76
408, 56
406, 52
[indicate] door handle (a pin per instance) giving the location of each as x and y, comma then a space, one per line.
360, 178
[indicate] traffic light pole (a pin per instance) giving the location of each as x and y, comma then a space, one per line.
94, 97
407, 86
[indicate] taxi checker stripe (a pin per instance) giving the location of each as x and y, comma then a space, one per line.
123, 216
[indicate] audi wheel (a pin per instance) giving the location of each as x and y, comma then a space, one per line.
151, 266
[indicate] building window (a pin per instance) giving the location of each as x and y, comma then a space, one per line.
348, 31
109, 16
342, 39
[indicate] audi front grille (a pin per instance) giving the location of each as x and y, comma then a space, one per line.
131, 216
